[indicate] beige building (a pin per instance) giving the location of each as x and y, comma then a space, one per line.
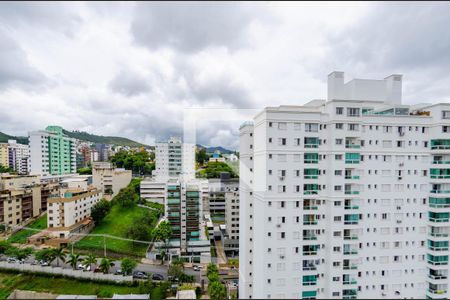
109, 179
20, 198
4, 155
71, 213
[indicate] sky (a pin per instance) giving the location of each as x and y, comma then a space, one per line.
134, 69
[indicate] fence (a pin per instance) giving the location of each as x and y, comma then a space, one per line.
66, 272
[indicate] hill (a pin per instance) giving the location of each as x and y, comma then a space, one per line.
80, 135
20, 139
84, 136
212, 149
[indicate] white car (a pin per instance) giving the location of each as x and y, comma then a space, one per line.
197, 268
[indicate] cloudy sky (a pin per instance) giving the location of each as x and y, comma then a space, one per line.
132, 69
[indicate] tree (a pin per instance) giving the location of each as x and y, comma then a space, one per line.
213, 170
44, 255
4, 246
211, 268
105, 265
201, 157
126, 197
217, 291
99, 210
90, 260
6, 169
73, 260
85, 171
162, 233
140, 229
58, 254
127, 266
176, 268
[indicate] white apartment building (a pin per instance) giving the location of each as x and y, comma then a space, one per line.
108, 179
347, 197
70, 213
19, 155
173, 159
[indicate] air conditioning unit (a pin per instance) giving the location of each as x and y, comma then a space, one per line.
399, 221
278, 225
399, 177
282, 256
401, 133
399, 207
401, 164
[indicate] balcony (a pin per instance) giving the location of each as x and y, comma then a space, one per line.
440, 191
351, 237
437, 292
311, 237
350, 192
438, 274
352, 177
311, 142
311, 174
440, 144
350, 267
350, 252
352, 158
439, 202
438, 217
437, 260
311, 158
351, 281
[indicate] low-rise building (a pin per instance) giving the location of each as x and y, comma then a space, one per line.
70, 213
20, 198
109, 179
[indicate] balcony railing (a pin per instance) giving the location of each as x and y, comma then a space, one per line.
439, 234
310, 207
441, 162
351, 207
312, 222
438, 263
351, 237
311, 192
352, 146
350, 267
438, 220
353, 281
310, 237
350, 252
352, 177
440, 191
437, 292
310, 252
437, 277
349, 192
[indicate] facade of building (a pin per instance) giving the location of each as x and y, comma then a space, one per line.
231, 238
18, 157
69, 213
4, 157
103, 152
20, 198
109, 179
183, 210
174, 159
52, 152
153, 190
346, 198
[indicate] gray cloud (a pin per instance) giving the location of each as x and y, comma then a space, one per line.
129, 83
192, 26
54, 16
15, 68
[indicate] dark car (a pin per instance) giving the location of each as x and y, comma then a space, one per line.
140, 275
157, 277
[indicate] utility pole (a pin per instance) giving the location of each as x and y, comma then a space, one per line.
104, 246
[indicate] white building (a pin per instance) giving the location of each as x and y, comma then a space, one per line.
153, 190
346, 198
70, 213
174, 158
108, 179
19, 155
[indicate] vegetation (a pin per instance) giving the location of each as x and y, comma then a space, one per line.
213, 170
10, 281
73, 260
90, 260
85, 171
201, 156
216, 289
153, 205
5, 169
113, 140
140, 229
162, 233
20, 139
99, 210
19, 253
105, 265
128, 265
156, 291
176, 268
140, 162
59, 254
22, 235
110, 225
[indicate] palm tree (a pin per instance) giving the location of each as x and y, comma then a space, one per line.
105, 264
58, 254
73, 260
89, 260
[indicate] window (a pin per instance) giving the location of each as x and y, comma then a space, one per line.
446, 114
282, 125
353, 127
339, 110
270, 124
282, 141
311, 127
445, 128
338, 141
352, 112
339, 126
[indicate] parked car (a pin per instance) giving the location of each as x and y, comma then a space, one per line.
80, 267
172, 279
157, 277
12, 260
118, 272
196, 268
44, 263
140, 275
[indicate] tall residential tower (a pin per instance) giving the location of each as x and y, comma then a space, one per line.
347, 197
52, 152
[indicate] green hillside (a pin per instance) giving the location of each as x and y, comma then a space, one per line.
84, 136
20, 139
80, 135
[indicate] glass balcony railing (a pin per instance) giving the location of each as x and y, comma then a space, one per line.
311, 192
351, 207
440, 162
440, 191
352, 177
310, 222
350, 192
436, 291
350, 267
352, 146
310, 237
350, 252
351, 237
352, 281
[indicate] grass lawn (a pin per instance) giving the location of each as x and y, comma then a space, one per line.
58, 285
22, 235
116, 223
